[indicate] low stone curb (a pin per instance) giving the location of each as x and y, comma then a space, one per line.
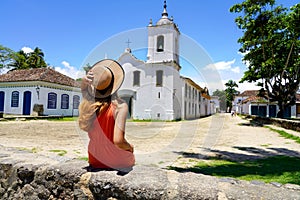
30, 176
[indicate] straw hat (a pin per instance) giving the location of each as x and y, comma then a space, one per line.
108, 78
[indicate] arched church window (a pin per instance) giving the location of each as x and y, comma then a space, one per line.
136, 78
64, 101
52, 99
159, 78
15, 99
160, 43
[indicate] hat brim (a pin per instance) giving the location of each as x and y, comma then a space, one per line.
118, 78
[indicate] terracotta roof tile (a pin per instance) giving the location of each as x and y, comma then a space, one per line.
249, 93
38, 74
252, 98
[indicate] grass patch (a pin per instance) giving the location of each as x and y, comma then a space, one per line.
32, 150
83, 158
63, 119
76, 151
59, 152
265, 145
281, 169
152, 120
285, 134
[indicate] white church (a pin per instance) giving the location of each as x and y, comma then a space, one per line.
154, 89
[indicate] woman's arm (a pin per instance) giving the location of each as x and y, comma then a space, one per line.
119, 129
86, 82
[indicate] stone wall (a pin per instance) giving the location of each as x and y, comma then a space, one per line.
30, 176
284, 123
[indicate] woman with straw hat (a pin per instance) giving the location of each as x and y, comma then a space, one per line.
103, 115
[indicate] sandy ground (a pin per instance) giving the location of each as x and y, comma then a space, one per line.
156, 143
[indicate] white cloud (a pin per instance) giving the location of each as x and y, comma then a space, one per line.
27, 49
242, 54
243, 86
223, 66
236, 70
70, 71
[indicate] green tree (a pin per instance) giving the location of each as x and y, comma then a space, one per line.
36, 59
19, 60
22, 60
6, 57
230, 93
87, 68
271, 46
222, 98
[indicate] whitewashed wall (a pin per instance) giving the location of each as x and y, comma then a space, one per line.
45, 88
150, 101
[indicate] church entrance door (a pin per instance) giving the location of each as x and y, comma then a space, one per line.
128, 100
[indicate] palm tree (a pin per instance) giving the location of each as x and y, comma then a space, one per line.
230, 93
36, 59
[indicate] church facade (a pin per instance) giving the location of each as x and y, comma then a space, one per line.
154, 89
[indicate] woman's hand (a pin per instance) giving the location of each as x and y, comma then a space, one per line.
86, 83
87, 80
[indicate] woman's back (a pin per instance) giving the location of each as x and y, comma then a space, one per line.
103, 153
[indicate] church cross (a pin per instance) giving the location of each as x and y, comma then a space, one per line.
128, 42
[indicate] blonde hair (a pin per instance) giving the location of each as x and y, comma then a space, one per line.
89, 110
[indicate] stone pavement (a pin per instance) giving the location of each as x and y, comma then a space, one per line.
164, 144
42, 174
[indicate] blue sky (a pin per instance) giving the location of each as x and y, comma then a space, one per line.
68, 32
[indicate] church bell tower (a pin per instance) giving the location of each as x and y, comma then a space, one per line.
163, 40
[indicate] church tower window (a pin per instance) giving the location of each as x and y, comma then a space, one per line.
160, 43
136, 78
159, 78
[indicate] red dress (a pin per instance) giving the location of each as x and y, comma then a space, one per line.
101, 149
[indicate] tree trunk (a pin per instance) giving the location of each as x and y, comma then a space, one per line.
280, 113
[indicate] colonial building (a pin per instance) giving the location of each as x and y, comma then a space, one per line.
41, 91
248, 102
154, 89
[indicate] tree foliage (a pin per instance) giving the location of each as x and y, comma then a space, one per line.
21, 60
230, 92
271, 46
222, 98
6, 55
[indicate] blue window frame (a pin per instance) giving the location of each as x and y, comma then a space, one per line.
76, 101
15, 99
52, 99
64, 101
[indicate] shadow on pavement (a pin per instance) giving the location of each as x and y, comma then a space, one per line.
269, 164
250, 153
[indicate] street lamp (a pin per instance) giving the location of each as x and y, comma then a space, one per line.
38, 92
